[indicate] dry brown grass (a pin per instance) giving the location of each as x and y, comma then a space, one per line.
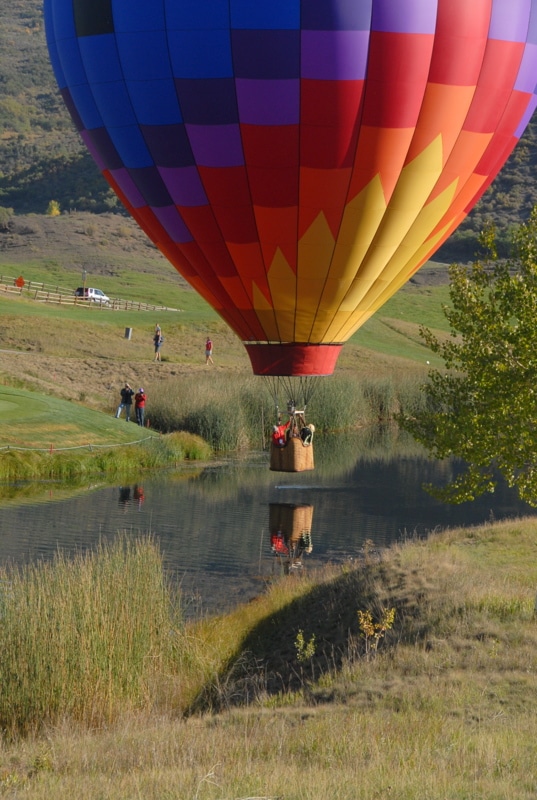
89, 363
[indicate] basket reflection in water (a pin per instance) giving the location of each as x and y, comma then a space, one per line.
290, 533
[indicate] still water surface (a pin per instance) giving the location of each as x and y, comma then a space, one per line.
214, 524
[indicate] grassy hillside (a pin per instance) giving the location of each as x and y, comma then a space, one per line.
114, 253
41, 156
81, 353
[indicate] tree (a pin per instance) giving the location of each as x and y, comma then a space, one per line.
5, 218
53, 209
483, 407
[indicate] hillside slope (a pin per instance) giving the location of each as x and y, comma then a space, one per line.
42, 158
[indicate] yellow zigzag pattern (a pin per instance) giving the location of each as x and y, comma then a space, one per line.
340, 284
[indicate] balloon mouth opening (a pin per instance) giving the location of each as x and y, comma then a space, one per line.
289, 359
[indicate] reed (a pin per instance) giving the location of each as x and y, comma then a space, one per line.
91, 461
85, 638
339, 405
230, 413
234, 413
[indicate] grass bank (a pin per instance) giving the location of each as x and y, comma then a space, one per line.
44, 437
90, 462
283, 697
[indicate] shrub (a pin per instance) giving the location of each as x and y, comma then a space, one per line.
53, 209
5, 218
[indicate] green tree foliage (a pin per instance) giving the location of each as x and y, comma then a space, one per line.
53, 209
483, 407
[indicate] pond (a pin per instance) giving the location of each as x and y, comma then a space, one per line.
227, 528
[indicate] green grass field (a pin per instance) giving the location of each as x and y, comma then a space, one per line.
43, 421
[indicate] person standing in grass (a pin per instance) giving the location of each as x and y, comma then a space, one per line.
139, 406
126, 402
157, 341
208, 351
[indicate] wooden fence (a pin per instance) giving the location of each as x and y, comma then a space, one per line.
46, 293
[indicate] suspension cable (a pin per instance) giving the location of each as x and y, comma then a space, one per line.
291, 392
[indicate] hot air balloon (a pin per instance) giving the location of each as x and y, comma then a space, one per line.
297, 160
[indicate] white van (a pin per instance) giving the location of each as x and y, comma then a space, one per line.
93, 295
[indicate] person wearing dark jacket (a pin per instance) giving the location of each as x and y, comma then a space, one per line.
126, 402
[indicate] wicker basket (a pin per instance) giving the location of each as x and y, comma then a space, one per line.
293, 457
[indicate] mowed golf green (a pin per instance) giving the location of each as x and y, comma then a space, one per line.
40, 421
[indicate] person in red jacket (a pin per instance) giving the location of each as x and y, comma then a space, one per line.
278, 545
208, 352
139, 406
280, 434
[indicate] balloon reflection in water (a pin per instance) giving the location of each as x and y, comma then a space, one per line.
290, 533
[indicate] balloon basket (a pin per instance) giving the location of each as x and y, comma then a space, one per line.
294, 456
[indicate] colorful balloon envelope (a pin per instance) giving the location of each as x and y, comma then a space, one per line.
297, 160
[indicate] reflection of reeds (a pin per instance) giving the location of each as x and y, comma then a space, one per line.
373, 443
336, 455
235, 413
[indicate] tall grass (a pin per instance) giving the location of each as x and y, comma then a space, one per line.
230, 413
86, 638
339, 405
73, 464
233, 413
